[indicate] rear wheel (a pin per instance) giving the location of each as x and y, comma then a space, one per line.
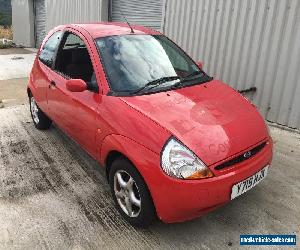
131, 194
40, 120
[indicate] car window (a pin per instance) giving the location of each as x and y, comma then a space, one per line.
73, 61
47, 53
132, 61
73, 41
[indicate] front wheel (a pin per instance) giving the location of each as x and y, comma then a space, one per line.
131, 194
40, 120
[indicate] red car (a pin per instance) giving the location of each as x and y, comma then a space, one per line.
175, 143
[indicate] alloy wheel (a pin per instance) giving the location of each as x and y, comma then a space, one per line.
127, 193
34, 110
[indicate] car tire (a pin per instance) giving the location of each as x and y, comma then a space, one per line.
40, 120
134, 193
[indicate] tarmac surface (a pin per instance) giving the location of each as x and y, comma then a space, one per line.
54, 196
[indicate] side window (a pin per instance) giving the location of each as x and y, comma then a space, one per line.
48, 51
73, 41
73, 61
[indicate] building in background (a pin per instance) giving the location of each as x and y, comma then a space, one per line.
251, 43
32, 19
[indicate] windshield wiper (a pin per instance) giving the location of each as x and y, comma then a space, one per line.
156, 82
189, 76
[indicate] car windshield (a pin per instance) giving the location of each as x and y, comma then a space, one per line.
133, 61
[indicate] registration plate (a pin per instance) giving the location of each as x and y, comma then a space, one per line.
248, 183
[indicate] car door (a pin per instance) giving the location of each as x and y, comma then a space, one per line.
75, 112
42, 69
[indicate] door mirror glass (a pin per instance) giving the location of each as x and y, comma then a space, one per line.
76, 85
200, 64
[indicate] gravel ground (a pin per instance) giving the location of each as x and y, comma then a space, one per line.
54, 196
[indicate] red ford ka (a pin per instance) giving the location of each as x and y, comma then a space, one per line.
175, 143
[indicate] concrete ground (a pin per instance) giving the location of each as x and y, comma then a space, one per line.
15, 63
11, 51
13, 92
54, 196
15, 66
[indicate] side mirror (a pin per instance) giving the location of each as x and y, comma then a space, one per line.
200, 64
76, 85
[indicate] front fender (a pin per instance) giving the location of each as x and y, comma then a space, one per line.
142, 157
146, 161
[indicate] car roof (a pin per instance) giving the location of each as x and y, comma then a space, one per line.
103, 29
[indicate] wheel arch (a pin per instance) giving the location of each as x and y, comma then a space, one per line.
140, 158
143, 159
110, 158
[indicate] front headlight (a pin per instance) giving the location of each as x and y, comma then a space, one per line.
180, 162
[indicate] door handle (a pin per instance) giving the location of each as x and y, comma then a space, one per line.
52, 84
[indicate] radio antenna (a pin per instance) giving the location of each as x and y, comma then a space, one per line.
132, 32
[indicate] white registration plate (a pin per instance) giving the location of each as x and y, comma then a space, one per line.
248, 183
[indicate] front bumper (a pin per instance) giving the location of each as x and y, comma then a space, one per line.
179, 200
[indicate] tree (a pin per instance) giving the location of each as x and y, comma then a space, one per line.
5, 19
5, 12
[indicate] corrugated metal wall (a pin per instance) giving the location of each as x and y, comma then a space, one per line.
23, 22
245, 43
74, 11
146, 13
40, 21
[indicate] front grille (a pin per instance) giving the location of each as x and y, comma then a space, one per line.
242, 157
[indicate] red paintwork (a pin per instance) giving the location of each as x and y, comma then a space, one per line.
212, 119
76, 85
